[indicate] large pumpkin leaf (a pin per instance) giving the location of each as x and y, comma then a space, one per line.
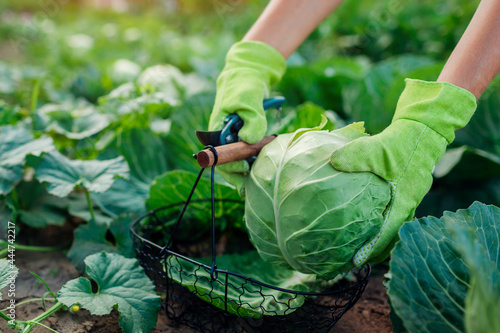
62, 175
146, 155
430, 280
246, 299
15, 144
122, 285
93, 237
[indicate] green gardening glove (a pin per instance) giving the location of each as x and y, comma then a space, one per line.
405, 153
251, 68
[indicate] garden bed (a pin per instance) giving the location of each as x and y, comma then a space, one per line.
370, 314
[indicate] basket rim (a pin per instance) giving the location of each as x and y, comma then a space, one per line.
362, 279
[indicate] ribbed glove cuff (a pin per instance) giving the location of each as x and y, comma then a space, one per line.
441, 106
258, 56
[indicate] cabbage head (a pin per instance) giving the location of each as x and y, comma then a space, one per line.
301, 212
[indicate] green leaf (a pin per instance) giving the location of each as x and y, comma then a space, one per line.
483, 298
124, 196
174, 187
15, 144
63, 175
144, 151
8, 273
373, 99
122, 285
40, 209
307, 115
146, 156
9, 115
182, 142
79, 207
132, 106
481, 163
320, 82
92, 237
246, 299
6, 213
483, 130
430, 280
74, 122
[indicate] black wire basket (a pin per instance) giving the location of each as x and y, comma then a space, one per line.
206, 298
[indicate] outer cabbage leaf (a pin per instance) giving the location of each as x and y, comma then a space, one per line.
303, 213
246, 299
122, 285
482, 305
430, 280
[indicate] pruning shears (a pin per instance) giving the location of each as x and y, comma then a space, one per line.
226, 141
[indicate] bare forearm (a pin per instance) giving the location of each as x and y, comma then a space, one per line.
476, 58
285, 24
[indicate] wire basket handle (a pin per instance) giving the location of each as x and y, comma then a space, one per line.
163, 252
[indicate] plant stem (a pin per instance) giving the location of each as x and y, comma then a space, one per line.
15, 197
34, 95
89, 203
36, 321
50, 329
29, 300
34, 248
4, 316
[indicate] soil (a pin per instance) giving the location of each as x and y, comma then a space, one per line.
370, 314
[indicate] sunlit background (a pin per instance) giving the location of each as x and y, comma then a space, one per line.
354, 64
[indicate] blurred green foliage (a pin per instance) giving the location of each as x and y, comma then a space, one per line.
87, 76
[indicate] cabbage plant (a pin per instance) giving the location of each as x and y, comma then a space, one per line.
301, 212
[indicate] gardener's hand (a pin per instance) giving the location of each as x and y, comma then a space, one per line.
251, 68
405, 153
